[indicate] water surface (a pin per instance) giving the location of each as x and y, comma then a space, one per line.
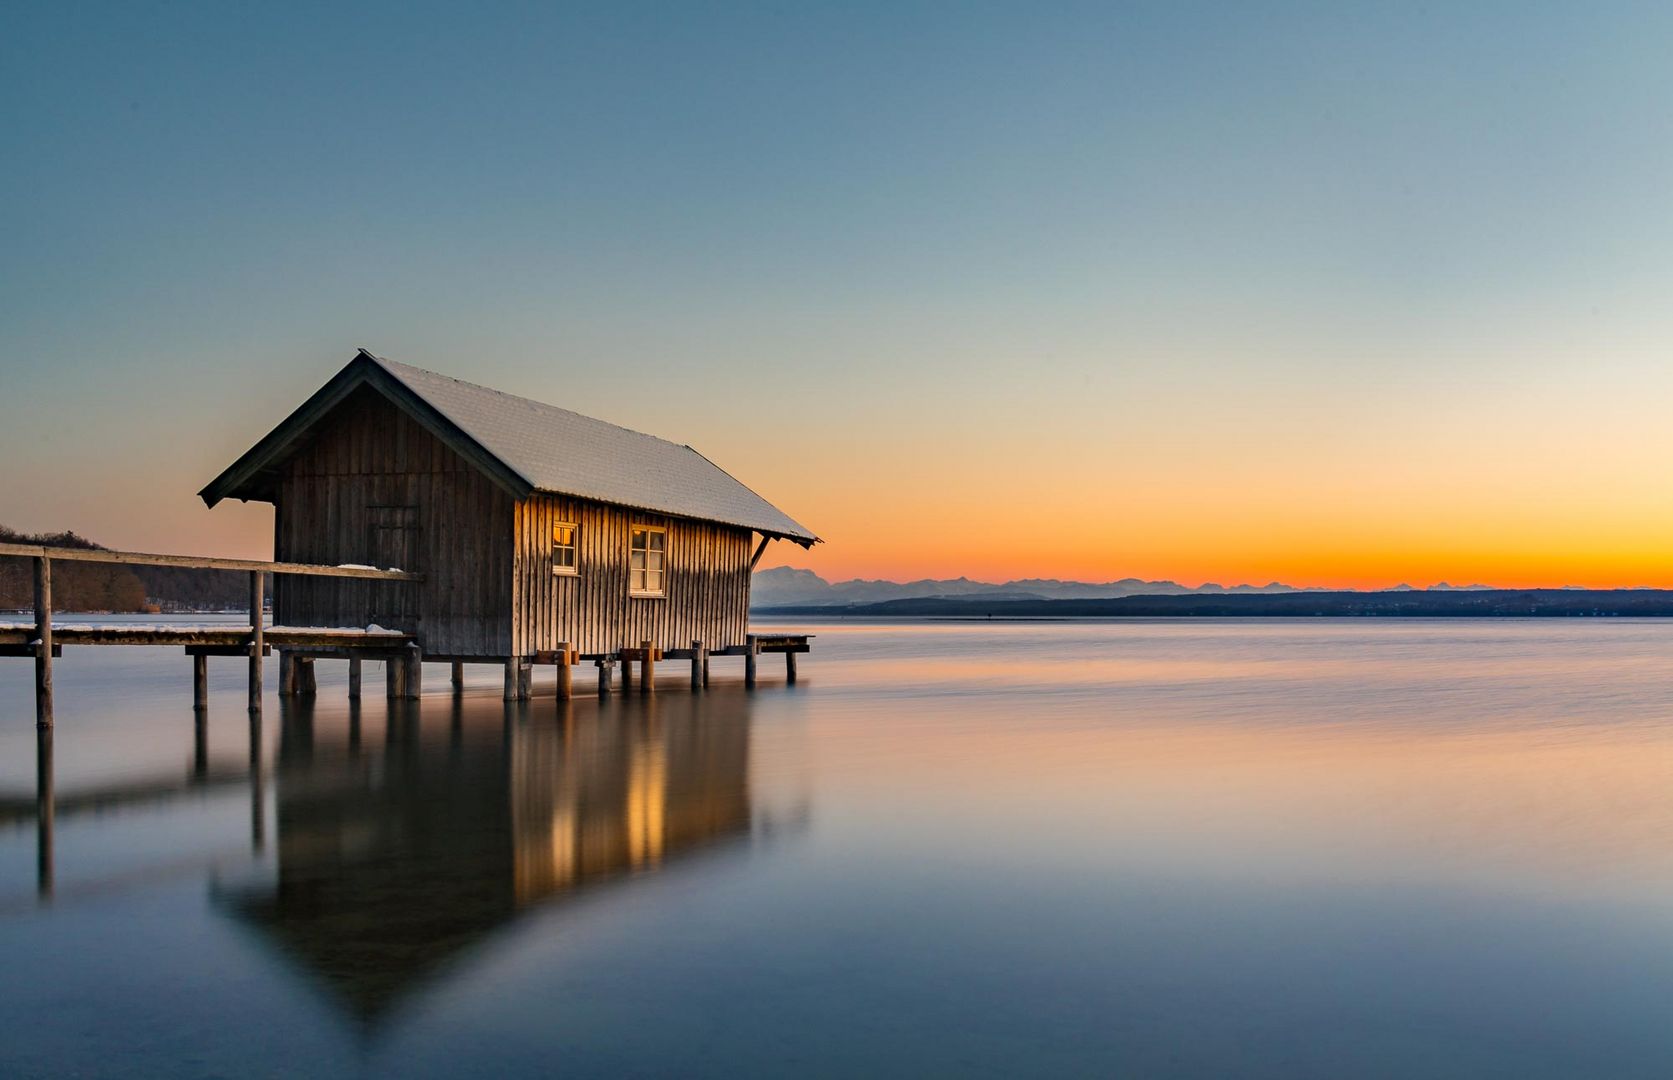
1192, 848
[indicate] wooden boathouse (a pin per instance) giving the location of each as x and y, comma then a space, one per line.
419, 517
536, 534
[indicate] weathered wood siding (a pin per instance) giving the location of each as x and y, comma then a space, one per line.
373, 487
706, 587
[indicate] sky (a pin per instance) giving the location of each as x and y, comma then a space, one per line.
1330, 293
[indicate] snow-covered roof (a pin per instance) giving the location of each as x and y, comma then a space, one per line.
535, 446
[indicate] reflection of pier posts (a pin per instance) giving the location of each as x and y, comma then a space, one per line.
200, 743
44, 807
258, 793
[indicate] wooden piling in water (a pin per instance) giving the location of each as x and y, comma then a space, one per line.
752, 649
457, 676
258, 581
790, 669
647, 668
287, 674
412, 675
43, 642
394, 678
605, 674
566, 672
697, 658
511, 678
525, 679
306, 684
200, 682
354, 678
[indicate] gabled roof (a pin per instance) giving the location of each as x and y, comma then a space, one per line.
526, 446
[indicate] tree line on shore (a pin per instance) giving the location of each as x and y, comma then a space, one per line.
90, 586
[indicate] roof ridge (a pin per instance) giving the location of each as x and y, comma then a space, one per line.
388, 363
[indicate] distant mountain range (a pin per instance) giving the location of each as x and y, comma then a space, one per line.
784, 586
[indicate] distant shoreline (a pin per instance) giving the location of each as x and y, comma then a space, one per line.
1486, 603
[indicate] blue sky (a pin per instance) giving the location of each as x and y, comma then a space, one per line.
1097, 252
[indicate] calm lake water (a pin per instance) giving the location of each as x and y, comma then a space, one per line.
1142, 848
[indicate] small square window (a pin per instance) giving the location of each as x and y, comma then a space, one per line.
646, 554
563, 548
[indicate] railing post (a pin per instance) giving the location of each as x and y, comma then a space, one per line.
258, 582
43, 642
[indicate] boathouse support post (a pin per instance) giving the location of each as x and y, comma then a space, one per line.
627, 675
394, 678
287, 673
354, 677
511, 678
306, 684
566, 673
456, 676
43, 642
752, 649
647, 668
605, 674
696, 665
200, 682
258, 582
412, 675
790, 668
525, 678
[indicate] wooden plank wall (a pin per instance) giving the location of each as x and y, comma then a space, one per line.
707, 584
370, 454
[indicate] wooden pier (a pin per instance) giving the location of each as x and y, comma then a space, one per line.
42, 640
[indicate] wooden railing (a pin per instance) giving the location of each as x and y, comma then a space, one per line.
44, 556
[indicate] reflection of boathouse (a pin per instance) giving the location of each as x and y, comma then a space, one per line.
393, 864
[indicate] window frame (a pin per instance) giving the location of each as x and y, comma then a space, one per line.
661, 592
574, 548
